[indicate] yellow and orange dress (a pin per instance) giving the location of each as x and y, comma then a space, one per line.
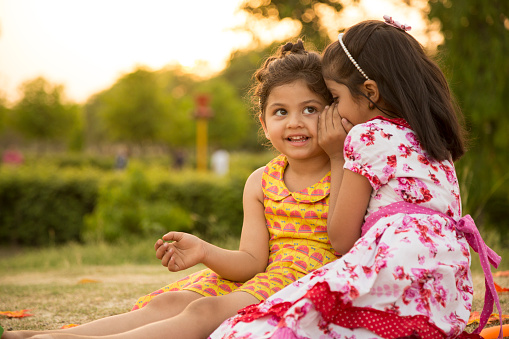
297, 224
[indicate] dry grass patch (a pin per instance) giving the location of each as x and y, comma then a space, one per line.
58, 297
77, 295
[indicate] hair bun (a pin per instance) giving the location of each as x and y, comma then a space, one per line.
295, 48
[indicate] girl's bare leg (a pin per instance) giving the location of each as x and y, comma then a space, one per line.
163, 306
198, 320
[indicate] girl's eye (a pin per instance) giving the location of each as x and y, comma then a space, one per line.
280, 112
310, 110
335, 99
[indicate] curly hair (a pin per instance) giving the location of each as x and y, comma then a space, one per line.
292, 62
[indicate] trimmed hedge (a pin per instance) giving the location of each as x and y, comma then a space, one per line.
46, 205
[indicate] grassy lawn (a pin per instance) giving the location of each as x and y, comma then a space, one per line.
58, 297
74, 284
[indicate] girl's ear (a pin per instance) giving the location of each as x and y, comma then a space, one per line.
370, 88
263, 126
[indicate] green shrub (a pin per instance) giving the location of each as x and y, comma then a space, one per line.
46, 203
72, 160
126, 209
40, 207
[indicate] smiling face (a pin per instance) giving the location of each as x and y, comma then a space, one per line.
290, 120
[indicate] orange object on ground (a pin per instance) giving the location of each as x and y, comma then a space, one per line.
499, 288
69, 326
16, 314
475, 317
492, 332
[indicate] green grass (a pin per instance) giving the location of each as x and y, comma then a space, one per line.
49, 281
128, 252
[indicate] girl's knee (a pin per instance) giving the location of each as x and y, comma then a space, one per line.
220, 308
177, 300
203, 308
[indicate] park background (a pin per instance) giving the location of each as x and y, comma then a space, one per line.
91, 176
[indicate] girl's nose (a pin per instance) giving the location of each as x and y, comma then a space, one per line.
295, 120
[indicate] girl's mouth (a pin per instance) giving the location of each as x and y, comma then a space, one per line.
298, 138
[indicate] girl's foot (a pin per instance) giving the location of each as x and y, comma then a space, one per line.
17, 334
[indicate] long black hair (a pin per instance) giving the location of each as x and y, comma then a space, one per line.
410, 83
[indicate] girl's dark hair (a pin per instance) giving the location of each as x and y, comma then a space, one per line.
410, 83
292, 62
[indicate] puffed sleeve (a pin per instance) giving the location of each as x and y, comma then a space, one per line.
370, 152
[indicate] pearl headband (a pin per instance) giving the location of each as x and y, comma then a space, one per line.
340, 38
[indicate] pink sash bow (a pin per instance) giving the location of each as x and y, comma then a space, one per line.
467, 226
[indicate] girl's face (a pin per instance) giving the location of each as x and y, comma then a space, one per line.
354, 110
291, 120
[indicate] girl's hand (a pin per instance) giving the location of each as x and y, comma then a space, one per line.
332, 131
184, 251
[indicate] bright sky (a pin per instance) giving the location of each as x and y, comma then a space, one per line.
86, 45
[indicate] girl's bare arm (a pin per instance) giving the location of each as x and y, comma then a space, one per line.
186, 250
350, 192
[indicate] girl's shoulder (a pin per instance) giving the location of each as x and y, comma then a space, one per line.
387, 129
380, 122
276, 167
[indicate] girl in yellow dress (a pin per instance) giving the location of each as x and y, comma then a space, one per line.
284, 234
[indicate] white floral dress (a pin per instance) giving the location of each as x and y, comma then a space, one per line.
407, 276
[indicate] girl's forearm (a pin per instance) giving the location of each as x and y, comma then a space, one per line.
336, 179
233, 265
344, 225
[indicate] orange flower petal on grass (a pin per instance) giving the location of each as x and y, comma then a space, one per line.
69, 326
16, 314
88, 281
476, 316
498, 288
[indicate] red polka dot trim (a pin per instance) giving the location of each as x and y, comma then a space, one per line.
333, 310
384, 324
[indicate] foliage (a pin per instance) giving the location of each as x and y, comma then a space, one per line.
305, 12
239, 72
41, 206
230, 114
132, 109
157, 107
72, 160
3, 113
472, 28
41, 114
53, 200
125, 209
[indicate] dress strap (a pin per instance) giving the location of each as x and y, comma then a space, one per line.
467, 226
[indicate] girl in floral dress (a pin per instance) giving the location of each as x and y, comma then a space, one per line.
395, 209
284, 235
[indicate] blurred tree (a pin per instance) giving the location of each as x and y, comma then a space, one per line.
230, 114
474, 50
157, 107
242, 65
132, 110
3, 113
308, 13
177, 88
41, 114
239, 73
